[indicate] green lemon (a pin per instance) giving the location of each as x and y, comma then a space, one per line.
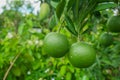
113, 24
55, 44
44, 11
81, 55
106, 39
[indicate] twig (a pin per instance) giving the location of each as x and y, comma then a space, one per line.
11, 64
59, 26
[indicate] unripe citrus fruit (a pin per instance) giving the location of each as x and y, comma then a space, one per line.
106, 39
81, 55
56, 44
113, 24
44, 11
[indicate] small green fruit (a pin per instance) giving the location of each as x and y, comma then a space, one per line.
44, 11
55, 44
81, 55
113, 24
106, 39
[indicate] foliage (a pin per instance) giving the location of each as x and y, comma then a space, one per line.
21, 41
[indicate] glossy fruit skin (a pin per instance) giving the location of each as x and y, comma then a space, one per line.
55, 44
113, 24
106, 39
44, 11
81, 55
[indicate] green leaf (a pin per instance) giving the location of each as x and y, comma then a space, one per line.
70, 26
16, 71
70, 4
29, 23
101, 1
60, 8
87, 7
63, 70
36, 65
1, 60
52, 22
85, 77
28, 57
104, 6
68, 76
53, 4
71, 68
21, 28
75, 9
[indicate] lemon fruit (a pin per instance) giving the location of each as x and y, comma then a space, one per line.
81, 55
55, 44
106, 39
44, 11
113, 24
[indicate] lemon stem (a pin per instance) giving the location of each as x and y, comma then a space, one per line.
78, 38
79, 35
60, 26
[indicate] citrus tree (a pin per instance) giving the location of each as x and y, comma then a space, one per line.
65, 40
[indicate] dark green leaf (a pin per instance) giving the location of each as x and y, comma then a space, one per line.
104, 6
70, 26
60, 8
52, 22
75, 9
101, 1
70, 4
